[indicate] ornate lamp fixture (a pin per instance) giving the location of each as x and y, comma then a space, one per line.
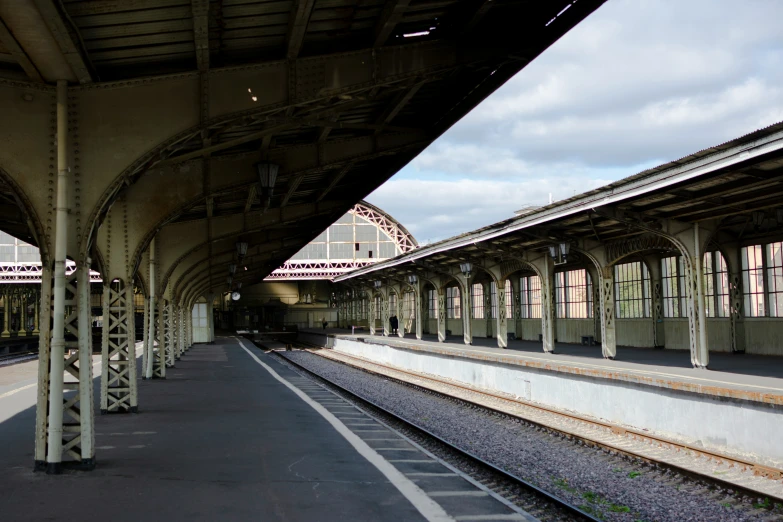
559, 253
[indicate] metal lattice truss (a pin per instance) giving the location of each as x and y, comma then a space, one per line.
31, 272
329, 268
118, 386
304, 270
168, 336
388, 225
158, 355
77, 386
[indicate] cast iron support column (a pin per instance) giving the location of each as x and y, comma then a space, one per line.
502, 320
441, 314
608, 330
118, 356
371, 313
418, 312
467, 310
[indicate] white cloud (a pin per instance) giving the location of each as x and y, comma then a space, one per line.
433, 209
638, 83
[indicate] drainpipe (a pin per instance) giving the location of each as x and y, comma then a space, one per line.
55, 431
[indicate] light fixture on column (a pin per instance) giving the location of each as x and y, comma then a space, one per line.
241, 248
377, 283
232, 268
559, 252
466, 268
229, 280
413, 279
267, 175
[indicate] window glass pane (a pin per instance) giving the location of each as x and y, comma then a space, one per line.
341, 233
366, 233
775, 278
387, 250
477, 296
670, 287
341, 251
346, 218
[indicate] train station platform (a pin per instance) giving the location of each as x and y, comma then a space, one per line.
755, 378
233, 434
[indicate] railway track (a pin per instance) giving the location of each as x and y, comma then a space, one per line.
13, 358
503, 482
771, 475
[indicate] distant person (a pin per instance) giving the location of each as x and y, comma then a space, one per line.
394, 324
324, 323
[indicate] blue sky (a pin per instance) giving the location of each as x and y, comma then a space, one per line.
637, 84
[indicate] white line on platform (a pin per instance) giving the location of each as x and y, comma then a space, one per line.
17, 390
428, 508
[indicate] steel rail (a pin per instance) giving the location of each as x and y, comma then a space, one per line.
470, 456
770, 473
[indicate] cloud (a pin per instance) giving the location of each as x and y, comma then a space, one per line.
433, 209
638, 83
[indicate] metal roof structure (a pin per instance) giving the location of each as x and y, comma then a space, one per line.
346, 254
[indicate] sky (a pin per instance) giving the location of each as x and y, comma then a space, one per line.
636, 84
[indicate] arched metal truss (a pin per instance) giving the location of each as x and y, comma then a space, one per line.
331, 266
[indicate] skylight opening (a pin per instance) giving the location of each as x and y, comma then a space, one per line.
412, 35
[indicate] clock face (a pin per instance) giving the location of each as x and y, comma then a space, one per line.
235, 296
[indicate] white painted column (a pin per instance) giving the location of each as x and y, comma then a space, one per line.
548, 304
371, 313
700, 356
608, 323
57, 363
441, 314
86, 409
151, 307
385, 313
400, 313
44, 356
467, 311
502, 320
419, 313
131, 331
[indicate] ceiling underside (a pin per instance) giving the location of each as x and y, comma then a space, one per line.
88, 41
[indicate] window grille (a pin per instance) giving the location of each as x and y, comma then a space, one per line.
632, 290
574, 294
530, 294
753, 280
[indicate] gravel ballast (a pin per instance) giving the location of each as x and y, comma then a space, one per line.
608, 486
